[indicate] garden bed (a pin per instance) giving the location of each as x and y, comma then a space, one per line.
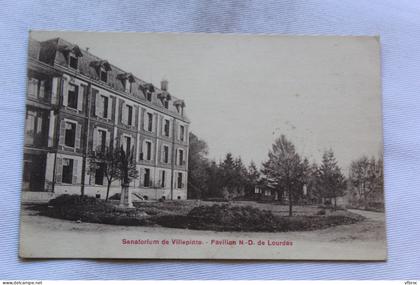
191, 215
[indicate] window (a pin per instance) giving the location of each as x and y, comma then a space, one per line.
70, 134
166, 128
99, 174
179, 181
148, 151
104, 103
67, 170
73, 62
72, 96
149, 96
128, 85
146, 178
165, 154
162, 179
150, 122
39, 88
129, 111
127, 143
102, 140
180, 157
103, 75
36, 131
181, 133
166, 104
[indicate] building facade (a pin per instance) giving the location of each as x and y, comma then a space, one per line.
77, 103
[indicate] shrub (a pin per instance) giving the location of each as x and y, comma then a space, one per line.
321, 212
227, 218
116, 196
92, 210
218, 217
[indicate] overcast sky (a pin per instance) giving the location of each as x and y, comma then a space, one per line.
242, 92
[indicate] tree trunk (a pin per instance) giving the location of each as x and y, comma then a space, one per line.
107, 191
290, 202
335, 203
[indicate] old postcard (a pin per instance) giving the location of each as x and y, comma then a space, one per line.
203, 146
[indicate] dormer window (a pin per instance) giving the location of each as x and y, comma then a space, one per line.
72, 54
73, 61
164, 97
127, 80
148, 89
180, 105
102, 67
128, 86
149, 96
103, 75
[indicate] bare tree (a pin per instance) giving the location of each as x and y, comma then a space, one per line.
107, 160
114, 162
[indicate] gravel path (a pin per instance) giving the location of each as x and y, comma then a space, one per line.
48, 237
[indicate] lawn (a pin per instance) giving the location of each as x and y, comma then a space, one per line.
200, 215
183, 207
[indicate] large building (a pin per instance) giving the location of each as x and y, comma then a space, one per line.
77, 103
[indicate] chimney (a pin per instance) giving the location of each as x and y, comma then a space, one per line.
164, 85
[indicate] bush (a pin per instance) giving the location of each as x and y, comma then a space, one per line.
218, 217
216, 199
116, 196
222, 218
227, 218
92, 210
321, 212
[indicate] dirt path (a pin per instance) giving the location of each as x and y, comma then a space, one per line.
375, 216
48, 237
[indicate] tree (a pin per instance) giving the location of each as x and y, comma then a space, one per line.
366, 177
112, 161
105, 159
331, 180
213, 180
127, 165
284, 167
253, 176
197, 167
228, 173
128, 172
314, 188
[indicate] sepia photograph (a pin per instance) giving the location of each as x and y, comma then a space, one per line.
203, 146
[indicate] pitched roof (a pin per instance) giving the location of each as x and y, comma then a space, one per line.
56, 51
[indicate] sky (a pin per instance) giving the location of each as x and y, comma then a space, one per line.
244, 91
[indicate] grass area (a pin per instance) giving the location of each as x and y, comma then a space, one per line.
199, 215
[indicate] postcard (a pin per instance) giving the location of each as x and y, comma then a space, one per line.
203, 146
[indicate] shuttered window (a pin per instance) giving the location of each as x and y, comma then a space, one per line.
166, 154
148, 151
163, 178
73, 61
179, 181
181, 133
129, 111
146, 178
150, 122
67, 174
180, 157
166, 128
105, 102
70, 134
72, 96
